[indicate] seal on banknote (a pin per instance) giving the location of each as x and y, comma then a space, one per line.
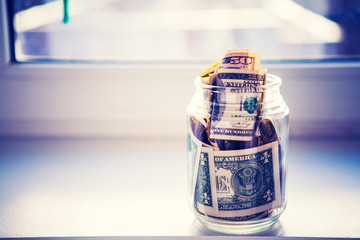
248, 181
251, 104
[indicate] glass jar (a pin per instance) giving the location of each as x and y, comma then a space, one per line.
237, 147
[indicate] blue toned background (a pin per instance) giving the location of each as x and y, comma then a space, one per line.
92, 112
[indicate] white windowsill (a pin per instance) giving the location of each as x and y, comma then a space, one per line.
150, 100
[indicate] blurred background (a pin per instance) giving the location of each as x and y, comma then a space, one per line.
183, 30
85, 67
93, 97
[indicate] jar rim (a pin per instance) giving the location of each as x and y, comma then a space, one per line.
272, 81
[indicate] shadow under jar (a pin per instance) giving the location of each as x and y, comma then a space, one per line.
237, 147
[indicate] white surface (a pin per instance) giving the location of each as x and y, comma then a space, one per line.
132, 187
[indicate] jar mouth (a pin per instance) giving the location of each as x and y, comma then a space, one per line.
272, 82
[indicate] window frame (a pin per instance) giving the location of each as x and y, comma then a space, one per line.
166, 120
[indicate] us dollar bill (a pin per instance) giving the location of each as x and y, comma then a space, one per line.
247, 181
238, 185
241, 128
196, 140
238, 82
245, 78
236, 106
193, 151
205, 200
267, 133
241, 60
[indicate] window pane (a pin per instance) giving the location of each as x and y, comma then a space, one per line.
183, 30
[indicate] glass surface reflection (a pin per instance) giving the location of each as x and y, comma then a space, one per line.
199, 230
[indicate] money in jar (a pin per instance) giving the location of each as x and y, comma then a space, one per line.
238, 126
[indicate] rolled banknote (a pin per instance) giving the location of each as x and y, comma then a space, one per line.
233, 128
240, 78
234, 116
241, 60
240, 98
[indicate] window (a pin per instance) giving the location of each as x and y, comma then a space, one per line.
183, 30
96, 77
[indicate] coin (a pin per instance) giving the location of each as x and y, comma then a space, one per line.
267, 131
199, 130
